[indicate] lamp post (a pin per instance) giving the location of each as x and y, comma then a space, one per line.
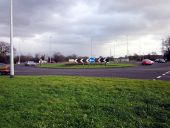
110, 52
11, 42
127, 48
114, 43
50, 49
91, 47
19, 55
19, 51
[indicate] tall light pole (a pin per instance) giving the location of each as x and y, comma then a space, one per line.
11, 43
19, 55
127, 46
110, 52
50, 49
91, 47
114, 43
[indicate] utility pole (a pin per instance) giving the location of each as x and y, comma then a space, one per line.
11, 42
114, 48
91, 47
110, 52
50, 49
19, 61
19, 55
127, 46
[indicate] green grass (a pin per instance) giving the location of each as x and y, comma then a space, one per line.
83, 102
67, 65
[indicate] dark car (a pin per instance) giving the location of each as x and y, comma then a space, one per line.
160, 61
4, 68
147, 62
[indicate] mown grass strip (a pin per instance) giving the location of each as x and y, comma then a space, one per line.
79, 66
83, 102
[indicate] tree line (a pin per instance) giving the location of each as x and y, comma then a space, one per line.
5, 56
55, 58
58, 57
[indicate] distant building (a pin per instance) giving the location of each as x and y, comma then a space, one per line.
124, 59
121, 59
71, 60
42, 61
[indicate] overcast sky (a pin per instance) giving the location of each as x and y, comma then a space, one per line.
68, 26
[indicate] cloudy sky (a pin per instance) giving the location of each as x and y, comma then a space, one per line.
69, 26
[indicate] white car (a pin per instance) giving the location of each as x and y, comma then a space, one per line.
30, 63
160, 61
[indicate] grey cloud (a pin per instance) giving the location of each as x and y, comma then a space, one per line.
34, 16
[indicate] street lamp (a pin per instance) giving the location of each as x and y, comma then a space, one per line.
50, 48
11, 42
114, 43
91, 47
127, 48
19, 52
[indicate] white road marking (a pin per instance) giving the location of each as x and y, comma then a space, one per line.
163, 75
159, 77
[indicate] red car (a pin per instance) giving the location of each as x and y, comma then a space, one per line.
4, 68
147, 62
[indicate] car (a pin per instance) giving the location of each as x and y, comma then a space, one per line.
4, 68
160, 61
147, 62
30, 63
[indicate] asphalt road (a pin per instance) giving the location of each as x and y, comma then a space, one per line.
153, 72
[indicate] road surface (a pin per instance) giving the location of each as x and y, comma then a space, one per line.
153, 72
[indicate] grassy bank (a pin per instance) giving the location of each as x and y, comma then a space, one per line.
83, 102
67, 65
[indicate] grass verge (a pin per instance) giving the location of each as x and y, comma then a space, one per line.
83, 102
79, 66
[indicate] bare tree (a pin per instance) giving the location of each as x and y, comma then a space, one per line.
166, 48
58, 57
4, 48
165, 45
4, 52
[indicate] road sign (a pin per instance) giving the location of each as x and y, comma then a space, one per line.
81, 61
106, 60
87, 60
96, 60
84, 60
91, 60
76, 60
101, 60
